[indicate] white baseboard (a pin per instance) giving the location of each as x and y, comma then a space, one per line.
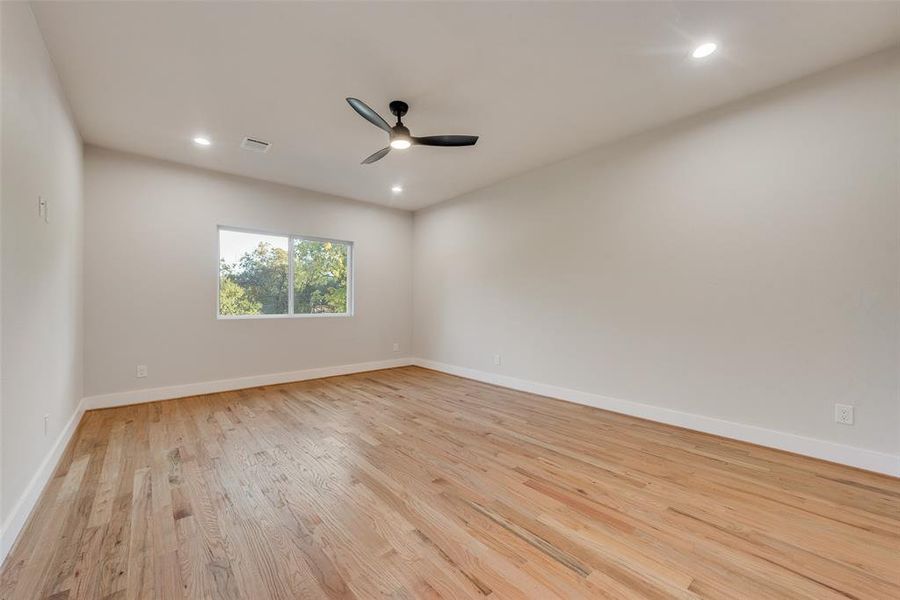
20, 512
870, 460
237, 383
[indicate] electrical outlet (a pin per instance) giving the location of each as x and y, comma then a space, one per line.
42, 209
141, 371
843, 413
396, 346
497, 360
46, 424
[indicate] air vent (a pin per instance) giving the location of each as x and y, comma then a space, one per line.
254, 145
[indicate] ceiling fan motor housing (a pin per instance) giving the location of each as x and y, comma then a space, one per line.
399, 130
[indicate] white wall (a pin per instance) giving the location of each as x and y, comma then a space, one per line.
41, 266
742, 265
151, 271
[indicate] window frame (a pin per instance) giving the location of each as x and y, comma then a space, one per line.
351, 275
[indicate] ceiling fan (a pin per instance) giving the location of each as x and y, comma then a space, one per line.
400, 139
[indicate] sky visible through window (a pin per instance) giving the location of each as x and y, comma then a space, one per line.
234, 244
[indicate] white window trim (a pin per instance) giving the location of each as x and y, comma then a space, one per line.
351, 275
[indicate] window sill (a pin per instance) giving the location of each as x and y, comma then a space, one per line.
306, 316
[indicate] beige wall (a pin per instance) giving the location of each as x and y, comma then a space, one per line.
41, 264
151, 271
743, 265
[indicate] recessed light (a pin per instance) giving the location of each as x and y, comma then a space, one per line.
202, 141
397, 189
704, 50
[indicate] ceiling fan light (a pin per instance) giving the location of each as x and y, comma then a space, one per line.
400, 144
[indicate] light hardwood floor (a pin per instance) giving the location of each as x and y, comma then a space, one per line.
407, 483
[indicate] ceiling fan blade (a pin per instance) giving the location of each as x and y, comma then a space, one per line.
377, 156
446, 140
368, 114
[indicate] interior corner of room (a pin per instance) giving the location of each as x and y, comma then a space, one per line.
730, 267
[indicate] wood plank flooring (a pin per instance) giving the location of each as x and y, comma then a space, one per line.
407, 483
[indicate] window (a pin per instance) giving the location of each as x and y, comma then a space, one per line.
266, 275
320, 276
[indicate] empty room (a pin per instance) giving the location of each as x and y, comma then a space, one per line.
450, 299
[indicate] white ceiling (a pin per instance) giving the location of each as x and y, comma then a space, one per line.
537, 81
